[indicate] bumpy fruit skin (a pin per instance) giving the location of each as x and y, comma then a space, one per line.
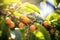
26, 20
32, 27
8, 20
20, 25
46, 23
12, 24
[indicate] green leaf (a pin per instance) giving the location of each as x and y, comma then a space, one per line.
39, 34
30, 7
26, 9
0, 33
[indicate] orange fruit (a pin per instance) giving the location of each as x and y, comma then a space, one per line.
22, 16
52, 31
46, 23
32, 27
8, 20
12, 24
26, 20
20, 25
12, 10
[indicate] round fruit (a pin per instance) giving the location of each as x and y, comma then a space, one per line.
52, 31
45, 23
11, 25
20, 25
8, 20
22, 16
26, 20
12, 9
32, 27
